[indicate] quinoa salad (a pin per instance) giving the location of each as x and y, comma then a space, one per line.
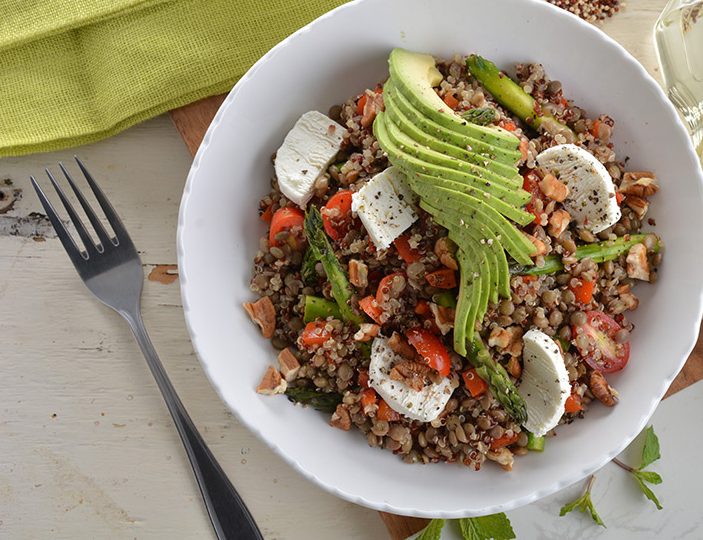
450, 260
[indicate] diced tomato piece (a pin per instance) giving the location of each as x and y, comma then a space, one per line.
573, 404
267, 215
474, 384
431, 348
508, 124
363, 378
530, 183
371, 308
340, 205
529, 278
584, 291
594, 128
387, 414
315, 333
602, 352
444, 278
422, 307
405, 252
619, 197
361, 104
451, 101
368, 398
285, 219
502, 442
384, 287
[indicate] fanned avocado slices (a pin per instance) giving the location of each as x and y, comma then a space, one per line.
466, 177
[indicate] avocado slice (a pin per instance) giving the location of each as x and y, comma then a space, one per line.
510, 211
425, 153
502, 155
468, 210
410, 163
416, 75
400, 119
468, 299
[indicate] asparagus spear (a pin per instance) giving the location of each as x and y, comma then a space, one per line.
319, 308
509, 94
321, 401
598, 252
322, 250
307, 270
498, 380
481, 115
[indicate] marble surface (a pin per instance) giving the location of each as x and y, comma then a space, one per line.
616, 497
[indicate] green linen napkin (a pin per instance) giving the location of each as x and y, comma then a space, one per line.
75, 71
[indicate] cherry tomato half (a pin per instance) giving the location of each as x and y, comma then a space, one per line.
601, 351
431, 349
337, 215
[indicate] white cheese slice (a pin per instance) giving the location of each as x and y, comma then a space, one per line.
425, 405
305, 154
545, 382
591, 200
385, 207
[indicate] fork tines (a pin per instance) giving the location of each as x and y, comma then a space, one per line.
91, 248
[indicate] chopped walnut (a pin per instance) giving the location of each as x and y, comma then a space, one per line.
289, 364
514, 367
341, 418
506, 339
263, 313
639, 184
358, 274
502, 456
553, 188
637, 263
602, 390
411, 373
444, 248
272, 382
443, 317
367, 331
638, 205
558, 222
400, 346
541, 246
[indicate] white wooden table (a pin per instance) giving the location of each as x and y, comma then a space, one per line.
87, 449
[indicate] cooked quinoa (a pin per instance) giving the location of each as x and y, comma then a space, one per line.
468, 426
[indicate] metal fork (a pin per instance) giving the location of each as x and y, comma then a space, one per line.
112, 270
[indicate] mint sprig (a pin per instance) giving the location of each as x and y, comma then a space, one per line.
583, 504
432, 531
493, 527
650, 453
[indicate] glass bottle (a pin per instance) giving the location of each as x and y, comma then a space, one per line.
678, 36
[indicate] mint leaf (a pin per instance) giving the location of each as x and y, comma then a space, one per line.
647, 492
493, 527
432, 531
583, 504
650, 452
649, 476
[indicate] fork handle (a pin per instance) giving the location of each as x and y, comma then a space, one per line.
228, 513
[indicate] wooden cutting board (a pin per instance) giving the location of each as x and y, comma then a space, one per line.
633, 29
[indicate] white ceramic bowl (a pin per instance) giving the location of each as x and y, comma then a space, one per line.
339, 55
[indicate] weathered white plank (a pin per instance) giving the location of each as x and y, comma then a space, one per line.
110, 464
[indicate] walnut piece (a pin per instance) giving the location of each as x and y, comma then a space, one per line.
541, 246
502, 456
411, 373
289, 364
639, 184
639, 205
272, 382
637, 263
553, 188
558, 222
444, 248
263, 313
358, 274
601, 389
341, 418
443, 317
